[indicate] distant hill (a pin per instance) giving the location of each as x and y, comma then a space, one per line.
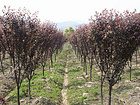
67, 24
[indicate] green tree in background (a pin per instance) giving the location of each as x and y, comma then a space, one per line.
68, 32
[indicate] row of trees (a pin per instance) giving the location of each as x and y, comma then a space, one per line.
27, 42
110, 39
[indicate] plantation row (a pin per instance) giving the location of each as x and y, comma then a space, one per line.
27, 43
110, 40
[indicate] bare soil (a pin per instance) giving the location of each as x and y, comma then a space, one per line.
64, 90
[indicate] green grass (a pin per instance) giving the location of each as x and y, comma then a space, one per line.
77, 84
48, 86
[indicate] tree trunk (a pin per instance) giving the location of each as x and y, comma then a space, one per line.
43, 69
91, 63
11, 64
130, 66
49, 65
1, 65
56, 53
29, 85
110, 89
85, 66
101, 88
74, 50
18, 99
130, 70
89, 60
91, 72
51, 62
55, 57
81, 60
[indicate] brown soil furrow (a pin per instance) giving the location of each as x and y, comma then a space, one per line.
65, 85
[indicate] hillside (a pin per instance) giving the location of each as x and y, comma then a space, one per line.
67, 24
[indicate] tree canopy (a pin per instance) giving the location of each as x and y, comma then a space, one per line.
69, 31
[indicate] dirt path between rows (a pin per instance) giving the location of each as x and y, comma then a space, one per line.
65, 87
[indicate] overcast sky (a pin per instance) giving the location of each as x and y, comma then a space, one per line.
69, 10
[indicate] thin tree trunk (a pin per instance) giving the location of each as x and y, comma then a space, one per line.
49, 65
75, 50
17, 78
18, 99
89, 60
91, 63
1, 65
18, 83
43, 68
130, 66
130, 69
85, 66
51, 62
110, 89
81, 60
11, 64
55, 57
29, 79
101, 88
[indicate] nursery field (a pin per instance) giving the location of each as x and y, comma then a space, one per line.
95, 64
67, 83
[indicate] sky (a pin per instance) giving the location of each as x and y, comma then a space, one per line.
70, 10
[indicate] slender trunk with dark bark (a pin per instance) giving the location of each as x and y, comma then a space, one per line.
43, 70
130, 66
51, 62
101, 88
85, 66
43, 66
81, 60
74, 50
138, 52
130, 70
17, 78
1, 65
91, 63
29, 87
49, 65
55, 57
18, 99
11, 64
110, 89
89, 60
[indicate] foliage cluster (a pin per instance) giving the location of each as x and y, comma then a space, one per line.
68, 32
110, 39
28, 42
